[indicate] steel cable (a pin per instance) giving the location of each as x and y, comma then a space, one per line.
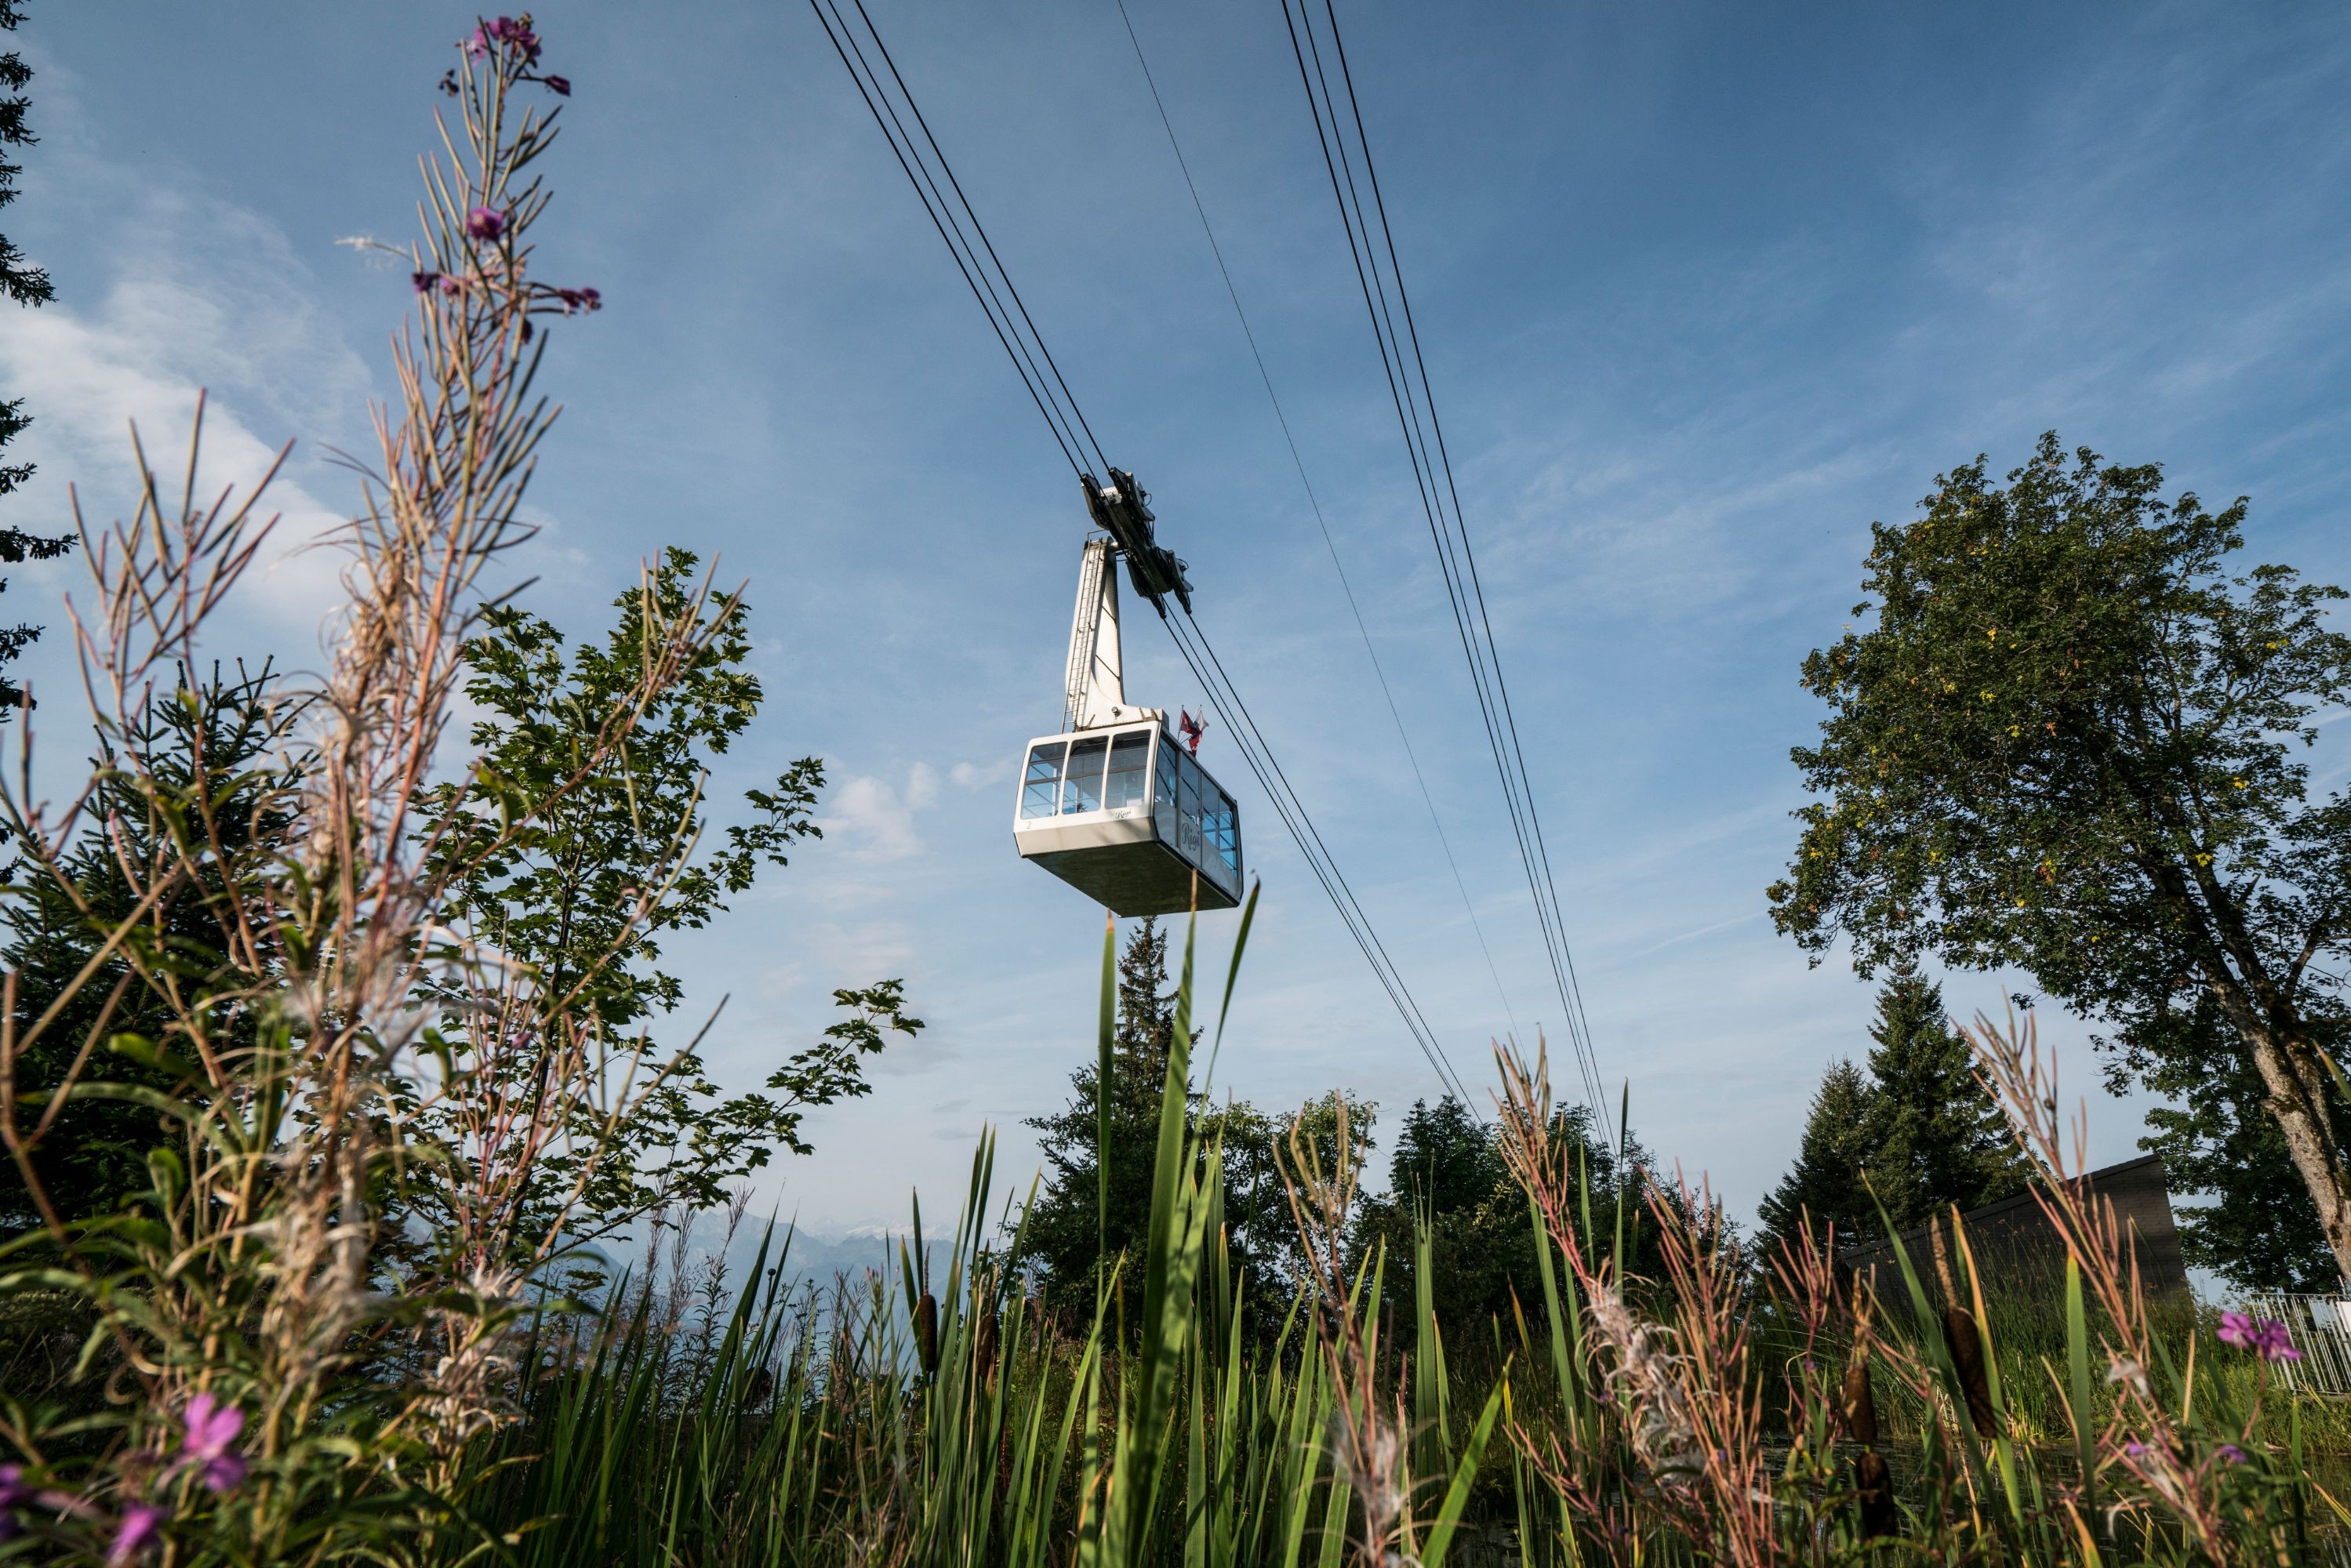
1059, 407
1410, 391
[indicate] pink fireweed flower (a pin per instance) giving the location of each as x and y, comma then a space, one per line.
142, 1528
514, 33
2231, 1453
453, 286
579, 300
423, 281
212, 1428
485, 223
2271, 1338
2275, 1342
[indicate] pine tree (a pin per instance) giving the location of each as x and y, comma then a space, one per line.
1939, 1139
1914, 1135
1065, 1232
1825, 1183
224, 742
27, 285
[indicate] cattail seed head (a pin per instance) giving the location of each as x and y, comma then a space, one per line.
1968, 1360
1857, 1405
1873, 1486
926, 1332
985, 1342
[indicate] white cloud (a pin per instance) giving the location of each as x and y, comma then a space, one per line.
90, 383
201, 294
979, 776
871, 818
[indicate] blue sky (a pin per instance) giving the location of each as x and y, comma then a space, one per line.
1704, 288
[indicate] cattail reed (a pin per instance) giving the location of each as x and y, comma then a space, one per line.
1960, 1336
926, 1334
984, 1342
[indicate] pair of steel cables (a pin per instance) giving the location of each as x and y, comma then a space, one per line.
926, 168
1346, 149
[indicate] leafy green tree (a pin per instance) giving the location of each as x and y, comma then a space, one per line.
28, 286
2219, 1141
2066, 744
581, 894
1826, 1183
224, 771
1447, 1170
1254, 1148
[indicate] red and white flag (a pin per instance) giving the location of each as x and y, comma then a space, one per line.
1191, 728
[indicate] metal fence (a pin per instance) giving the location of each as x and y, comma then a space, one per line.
2321, 1327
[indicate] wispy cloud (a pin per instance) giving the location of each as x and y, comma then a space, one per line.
869, 819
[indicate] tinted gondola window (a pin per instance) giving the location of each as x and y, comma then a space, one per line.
1187, 809
1082, 790
1163, 792
1129, 753
1041, 790
1224, 832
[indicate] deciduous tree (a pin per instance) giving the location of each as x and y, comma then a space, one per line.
2219, 1141
575, 861
2065, 741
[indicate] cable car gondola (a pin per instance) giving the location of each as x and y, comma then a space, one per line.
1115, 806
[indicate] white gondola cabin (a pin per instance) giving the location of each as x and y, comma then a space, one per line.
1113, 806
1126, 816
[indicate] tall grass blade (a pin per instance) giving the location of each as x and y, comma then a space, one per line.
1465, 1475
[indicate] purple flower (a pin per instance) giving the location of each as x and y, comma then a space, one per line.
579, 300
424, 281
142, 1526
2272, 1338
453, 286
518, 35
2135, 1448
559, 86
2231, 1453
2275, 1342
448, 83
485, 223
213, 1427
